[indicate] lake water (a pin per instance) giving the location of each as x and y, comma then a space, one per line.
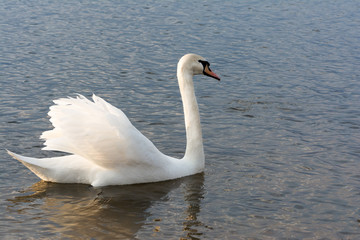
281, 129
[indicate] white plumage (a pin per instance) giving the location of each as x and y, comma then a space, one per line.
106, 149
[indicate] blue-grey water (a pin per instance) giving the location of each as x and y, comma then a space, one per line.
281, 129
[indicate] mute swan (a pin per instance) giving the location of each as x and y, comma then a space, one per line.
106, 149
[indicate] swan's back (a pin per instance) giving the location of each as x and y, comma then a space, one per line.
97, 131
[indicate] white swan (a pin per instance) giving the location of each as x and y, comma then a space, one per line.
106, 149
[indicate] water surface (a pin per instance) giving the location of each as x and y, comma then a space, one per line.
281, 129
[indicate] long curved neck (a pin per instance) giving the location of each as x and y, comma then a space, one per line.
194, 143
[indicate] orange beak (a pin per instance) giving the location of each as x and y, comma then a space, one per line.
208, 72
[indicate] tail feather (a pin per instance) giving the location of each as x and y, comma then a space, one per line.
64, 169
34, 164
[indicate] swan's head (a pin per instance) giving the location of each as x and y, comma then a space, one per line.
196, 65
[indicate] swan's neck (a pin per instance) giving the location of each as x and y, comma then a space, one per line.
194, 143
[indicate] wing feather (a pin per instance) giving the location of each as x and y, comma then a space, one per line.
97, 131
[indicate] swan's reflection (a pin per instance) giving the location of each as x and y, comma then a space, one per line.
74, 210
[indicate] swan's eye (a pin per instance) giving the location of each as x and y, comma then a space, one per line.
204, 63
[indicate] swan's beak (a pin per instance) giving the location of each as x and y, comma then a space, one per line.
208, 72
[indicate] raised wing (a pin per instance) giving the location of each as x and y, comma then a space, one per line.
99, 132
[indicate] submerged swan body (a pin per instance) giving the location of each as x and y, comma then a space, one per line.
106, 149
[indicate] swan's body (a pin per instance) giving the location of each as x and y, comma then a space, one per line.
106, 149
